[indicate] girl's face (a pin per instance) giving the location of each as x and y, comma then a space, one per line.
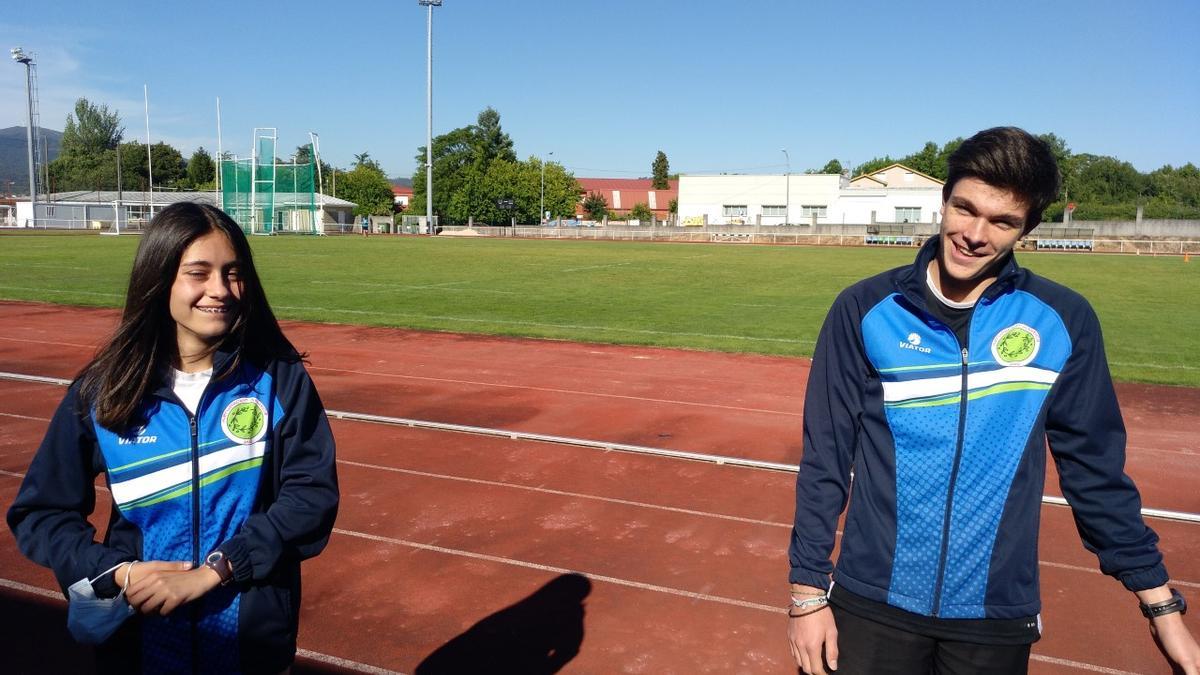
205, 295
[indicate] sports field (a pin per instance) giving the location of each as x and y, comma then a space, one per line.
726, 297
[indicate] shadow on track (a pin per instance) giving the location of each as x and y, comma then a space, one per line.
537, 636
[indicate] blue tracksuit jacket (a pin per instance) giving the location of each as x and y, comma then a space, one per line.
252, 473
947, 445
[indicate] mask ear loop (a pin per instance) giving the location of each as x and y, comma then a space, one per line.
115, 568
128, 576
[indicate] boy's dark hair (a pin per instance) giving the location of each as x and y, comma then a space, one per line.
1009, 158
144, 345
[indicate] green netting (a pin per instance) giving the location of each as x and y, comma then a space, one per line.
266, 197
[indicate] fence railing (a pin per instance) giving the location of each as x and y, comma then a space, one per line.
850, 235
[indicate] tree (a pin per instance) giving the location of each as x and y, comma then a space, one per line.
91, 130
461, 160
832, 166
595, 206
642, 212
873, 165
660, 170
368, 188
87, 160
490, 141
168, 165
201, 171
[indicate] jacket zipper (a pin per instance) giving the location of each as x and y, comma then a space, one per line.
195, 607
958, 451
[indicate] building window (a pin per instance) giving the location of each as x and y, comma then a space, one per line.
775, 210
818, 210
49, 211
734, 211
908, 214
136, 212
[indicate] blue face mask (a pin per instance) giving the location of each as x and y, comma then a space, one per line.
93, 620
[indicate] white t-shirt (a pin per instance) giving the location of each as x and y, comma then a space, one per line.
189, 387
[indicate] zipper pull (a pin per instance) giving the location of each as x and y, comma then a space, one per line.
964, 355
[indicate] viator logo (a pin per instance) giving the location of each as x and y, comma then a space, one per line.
914, 343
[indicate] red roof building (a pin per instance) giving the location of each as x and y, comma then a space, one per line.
623, 193
401, 196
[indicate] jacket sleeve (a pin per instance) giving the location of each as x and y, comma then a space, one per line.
297, 524
1087, 441
832, 409
49, 517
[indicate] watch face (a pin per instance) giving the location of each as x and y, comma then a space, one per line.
214, 557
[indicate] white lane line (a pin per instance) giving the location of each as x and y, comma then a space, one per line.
1076, 664
1156, 366
540, 324
552, 390
25, 417
1093, 570
32, 590
62, 291
564, 493
48, 342
345, 663
306, 653
595, 267
692, 595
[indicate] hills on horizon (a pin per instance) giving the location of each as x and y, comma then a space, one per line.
14, 157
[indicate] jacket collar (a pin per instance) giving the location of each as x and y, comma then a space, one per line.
911, 281
221, 359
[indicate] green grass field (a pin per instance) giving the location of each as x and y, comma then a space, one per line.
724, 297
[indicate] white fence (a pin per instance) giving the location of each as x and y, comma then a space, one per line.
834, 235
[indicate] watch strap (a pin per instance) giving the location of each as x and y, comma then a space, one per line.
1176, 603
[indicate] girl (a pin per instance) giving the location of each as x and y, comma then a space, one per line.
216, 452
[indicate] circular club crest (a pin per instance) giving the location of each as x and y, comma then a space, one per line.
244, 421
1016, 345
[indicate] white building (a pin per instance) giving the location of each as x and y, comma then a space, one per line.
894, 194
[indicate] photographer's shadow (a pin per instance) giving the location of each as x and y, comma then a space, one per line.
538, 635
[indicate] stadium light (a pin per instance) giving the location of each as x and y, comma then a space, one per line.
20, 56
429, 113
787, 190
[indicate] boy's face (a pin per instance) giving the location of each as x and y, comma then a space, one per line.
980, 225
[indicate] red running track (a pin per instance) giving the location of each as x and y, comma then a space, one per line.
453, 545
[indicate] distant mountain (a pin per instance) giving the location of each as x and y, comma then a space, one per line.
400, 182
14, 157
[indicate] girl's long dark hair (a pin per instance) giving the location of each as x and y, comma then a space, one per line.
144, 346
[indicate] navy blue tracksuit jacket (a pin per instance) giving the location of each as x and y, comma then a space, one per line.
947, 443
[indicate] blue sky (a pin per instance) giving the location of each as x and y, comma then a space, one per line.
604, 84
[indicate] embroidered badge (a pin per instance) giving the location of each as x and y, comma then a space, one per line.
1016, 345
244, 421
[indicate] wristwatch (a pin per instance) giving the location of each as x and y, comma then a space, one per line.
217, 562
1175, 604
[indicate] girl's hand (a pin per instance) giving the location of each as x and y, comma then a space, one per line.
162, 587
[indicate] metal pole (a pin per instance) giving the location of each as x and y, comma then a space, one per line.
20, 57
787, 190
542, 206
149, 161
429, 4
117, 206
220, 155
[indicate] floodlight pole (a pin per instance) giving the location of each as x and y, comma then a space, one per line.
542, 205
430, 4
315, 139
787, 189
149, 161
20, 56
